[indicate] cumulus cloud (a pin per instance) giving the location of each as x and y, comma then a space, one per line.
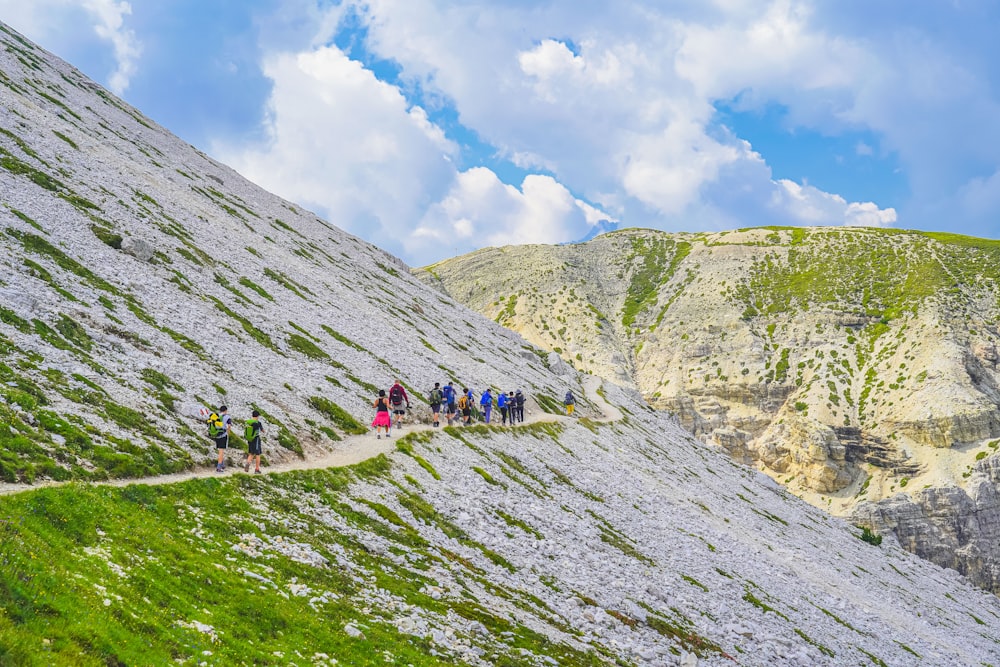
346, 145
810, 206
351, 148
618, 102
481, 210
60, 21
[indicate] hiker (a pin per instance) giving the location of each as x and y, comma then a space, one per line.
434, 398
253, 431
448, 394
487, 404
382, 418
473, 410
569, 402
397, 396
502, 404
518, 406
465, 405
219, 425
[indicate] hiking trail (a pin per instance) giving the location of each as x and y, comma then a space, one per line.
351, 450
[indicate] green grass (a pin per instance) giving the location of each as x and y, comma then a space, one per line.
338, 415
244, 322
100, 576
336, 335
306, 347
656, 260
288, 283
39, 246
249, 284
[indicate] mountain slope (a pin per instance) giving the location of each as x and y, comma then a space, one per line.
849, 364
564, 541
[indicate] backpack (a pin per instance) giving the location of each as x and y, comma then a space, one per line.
434, 396
251, 430
215, 426
396, 394
569, 398
463, 402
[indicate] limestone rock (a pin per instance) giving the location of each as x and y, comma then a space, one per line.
141, 250
802, 352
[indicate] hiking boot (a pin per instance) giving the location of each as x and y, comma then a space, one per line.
219, 468
378, 436
246, 466
257, 471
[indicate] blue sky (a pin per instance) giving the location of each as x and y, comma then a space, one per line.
432, 128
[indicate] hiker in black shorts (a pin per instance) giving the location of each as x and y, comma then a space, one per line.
518, 406
465, 405
253, 432
448, 394
222, 437
434, 398
397, 397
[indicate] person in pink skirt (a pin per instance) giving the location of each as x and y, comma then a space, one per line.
382, 418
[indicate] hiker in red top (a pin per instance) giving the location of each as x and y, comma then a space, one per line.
397, 398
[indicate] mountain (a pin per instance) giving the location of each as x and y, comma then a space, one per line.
856, 366
600, 227
142, 282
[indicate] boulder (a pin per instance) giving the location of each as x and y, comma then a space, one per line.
141, 250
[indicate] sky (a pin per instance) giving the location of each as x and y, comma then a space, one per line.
432, 127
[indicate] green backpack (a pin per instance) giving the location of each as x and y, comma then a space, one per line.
251, 430
215, 426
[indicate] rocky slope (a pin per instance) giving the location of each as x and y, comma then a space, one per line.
849, 363
141, 281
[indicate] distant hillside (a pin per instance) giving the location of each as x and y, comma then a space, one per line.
848, 363
141, 281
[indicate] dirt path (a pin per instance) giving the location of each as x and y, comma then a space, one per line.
349, 451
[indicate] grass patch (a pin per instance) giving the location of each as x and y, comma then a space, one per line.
307, 347
405, 445
337, 415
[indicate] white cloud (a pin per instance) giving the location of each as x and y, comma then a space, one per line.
867, 214
110, 26
481, 210
810, 206
624, 116
348, 146
60, 21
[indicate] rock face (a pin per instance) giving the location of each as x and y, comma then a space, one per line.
847, 363
953, 527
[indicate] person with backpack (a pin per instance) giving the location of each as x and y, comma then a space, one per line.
434, 398
448, 394
569, 402
465, 405
252, 432
486, 402
397, 396
382, 418
518, 406
473, 410
502, 404
219, 425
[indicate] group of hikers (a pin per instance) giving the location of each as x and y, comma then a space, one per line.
461, 407
390, 410
220, 425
